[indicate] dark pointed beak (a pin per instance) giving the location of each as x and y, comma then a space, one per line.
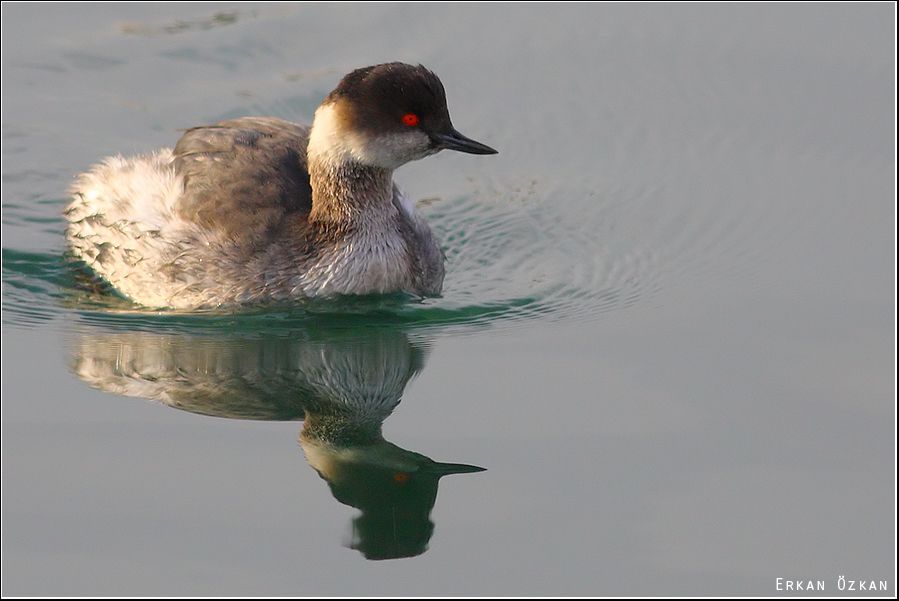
453, 140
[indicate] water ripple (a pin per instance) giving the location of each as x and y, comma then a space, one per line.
509, 261
528, 260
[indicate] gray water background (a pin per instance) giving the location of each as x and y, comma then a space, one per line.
668, 329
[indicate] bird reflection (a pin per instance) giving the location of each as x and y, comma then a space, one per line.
342, 384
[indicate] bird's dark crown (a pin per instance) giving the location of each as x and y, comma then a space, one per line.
381, 95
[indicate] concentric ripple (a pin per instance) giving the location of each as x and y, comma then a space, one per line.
529, 260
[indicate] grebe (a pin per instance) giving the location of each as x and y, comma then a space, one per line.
257, 209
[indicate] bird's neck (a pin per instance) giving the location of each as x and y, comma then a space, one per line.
348, 193
347, 189
340, 430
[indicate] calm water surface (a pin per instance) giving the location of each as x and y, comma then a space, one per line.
667, 331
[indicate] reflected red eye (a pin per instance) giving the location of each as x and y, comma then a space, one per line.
400, 478
410, 119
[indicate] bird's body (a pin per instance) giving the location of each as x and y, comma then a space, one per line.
257, 209
223, 219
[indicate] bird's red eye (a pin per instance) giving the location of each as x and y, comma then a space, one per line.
410, 119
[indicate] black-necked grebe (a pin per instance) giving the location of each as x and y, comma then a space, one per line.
258, 209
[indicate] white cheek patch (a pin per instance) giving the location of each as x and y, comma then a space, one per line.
393, 150
332, 141
329, 139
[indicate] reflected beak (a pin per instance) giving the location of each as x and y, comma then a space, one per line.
444, 469
453, 140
